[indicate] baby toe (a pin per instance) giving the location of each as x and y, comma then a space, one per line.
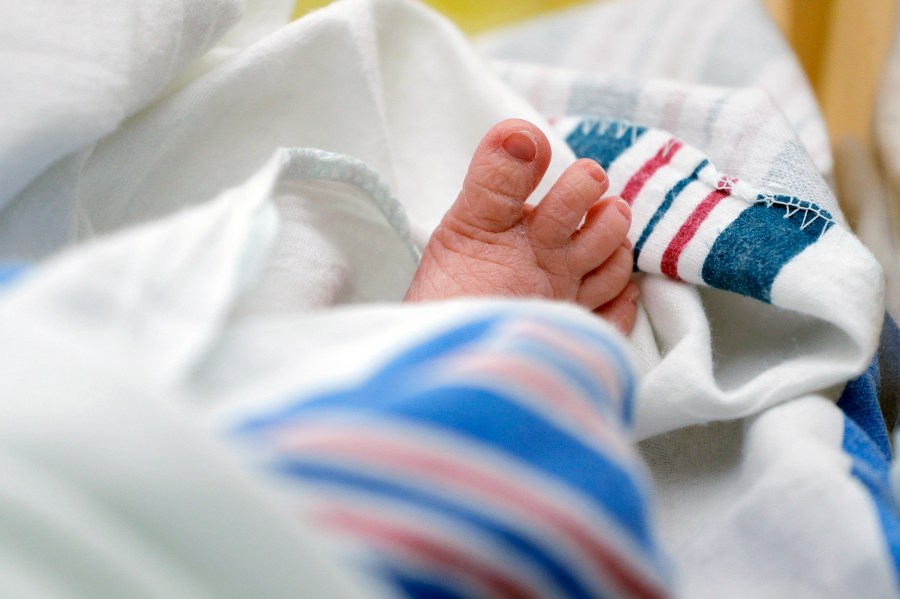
604, 231
621, 312
607, 281
561, 211
506, 167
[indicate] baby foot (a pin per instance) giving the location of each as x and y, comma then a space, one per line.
572, 246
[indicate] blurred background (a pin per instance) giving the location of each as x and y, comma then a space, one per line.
841, 44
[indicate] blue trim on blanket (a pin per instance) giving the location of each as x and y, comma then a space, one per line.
603, 140
748, 255
872, 469
467, 334
859, 402
489, 418
419, 587
573, 372
458, 339
866, 442
492, 418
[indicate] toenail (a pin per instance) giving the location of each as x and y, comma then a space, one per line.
520, 145
595, 171
627, 243
623, 207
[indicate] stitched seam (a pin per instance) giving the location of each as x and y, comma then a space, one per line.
811, 212
320, 164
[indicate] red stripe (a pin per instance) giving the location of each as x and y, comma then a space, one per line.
367, 446
669, 264
532, 381
397, 537
579, 352
663, 157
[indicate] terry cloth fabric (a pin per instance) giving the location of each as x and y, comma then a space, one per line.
491, 459
233, 306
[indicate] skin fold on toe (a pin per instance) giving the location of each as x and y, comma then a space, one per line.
571, 246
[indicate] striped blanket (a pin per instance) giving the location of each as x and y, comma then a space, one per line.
729, 253
491, 459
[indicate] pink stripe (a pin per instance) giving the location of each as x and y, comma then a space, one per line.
663, 156
532, 381
397, 537
367, 446
669, 264
594, 361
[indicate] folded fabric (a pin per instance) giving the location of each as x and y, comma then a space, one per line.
74, 71
214, 131
695, 224
490, 459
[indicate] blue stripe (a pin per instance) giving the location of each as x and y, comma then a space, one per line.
404, 390
615, 358
441, 344
603, 140
751, 251
871, 468
489, 418
419, 587
859, 401
469, 335
664, 207
567, 367
492, 328
523, 344
889, 361
10, 272
535, 552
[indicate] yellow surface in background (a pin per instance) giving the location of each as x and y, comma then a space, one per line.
473, 15
842, 45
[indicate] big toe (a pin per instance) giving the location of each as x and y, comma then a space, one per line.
507, 166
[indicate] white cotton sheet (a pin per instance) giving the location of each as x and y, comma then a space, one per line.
73, 72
